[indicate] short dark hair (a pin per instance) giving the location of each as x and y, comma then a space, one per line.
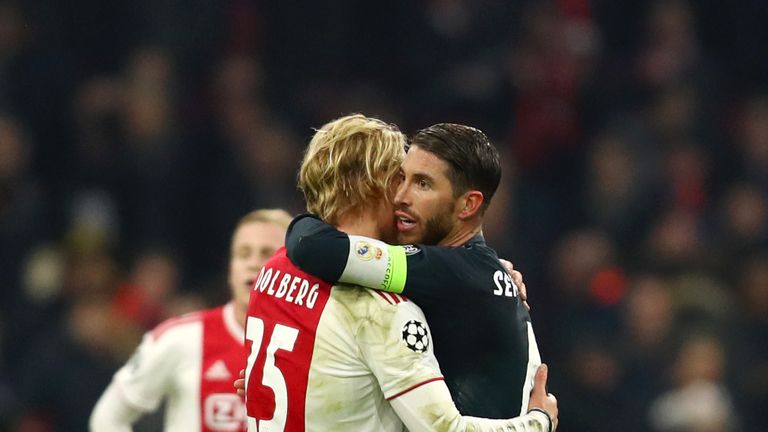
474, 162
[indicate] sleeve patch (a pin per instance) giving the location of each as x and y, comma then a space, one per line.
416, 336
364, 251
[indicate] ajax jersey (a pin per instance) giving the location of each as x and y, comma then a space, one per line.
323, 357
191, 362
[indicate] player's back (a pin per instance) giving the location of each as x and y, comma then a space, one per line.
326, 358
343, 393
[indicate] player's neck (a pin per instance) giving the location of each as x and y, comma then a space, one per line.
240, 312
362, 223
461, 233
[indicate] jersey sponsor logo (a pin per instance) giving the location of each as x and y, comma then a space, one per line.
363, 250
218, 372
411, 249
224, 412
416, 336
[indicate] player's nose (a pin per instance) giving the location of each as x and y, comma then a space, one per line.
402, 196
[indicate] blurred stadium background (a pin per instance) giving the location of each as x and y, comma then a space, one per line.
133, 134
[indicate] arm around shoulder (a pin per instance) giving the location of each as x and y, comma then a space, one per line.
317, 247
429, 408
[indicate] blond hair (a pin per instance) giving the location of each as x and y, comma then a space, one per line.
278, 217
349, 162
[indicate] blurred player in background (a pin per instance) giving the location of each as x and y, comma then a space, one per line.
343, 358
190, 361
482, 330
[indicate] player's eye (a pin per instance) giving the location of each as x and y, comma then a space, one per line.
243, 252
424, 184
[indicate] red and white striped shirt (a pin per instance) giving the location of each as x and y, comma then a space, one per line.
191, 362
325, 357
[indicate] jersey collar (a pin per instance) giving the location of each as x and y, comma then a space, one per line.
476, 240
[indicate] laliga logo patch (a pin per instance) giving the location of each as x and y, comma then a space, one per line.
415, 336
363, 250
411, 249
378, 253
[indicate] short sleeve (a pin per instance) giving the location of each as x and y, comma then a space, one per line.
396, 344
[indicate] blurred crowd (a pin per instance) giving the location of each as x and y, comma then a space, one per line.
634, 198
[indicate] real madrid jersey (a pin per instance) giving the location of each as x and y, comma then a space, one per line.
482, 332
325, 357
190, 362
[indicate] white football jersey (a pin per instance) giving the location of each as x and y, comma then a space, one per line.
327, 358
190, 362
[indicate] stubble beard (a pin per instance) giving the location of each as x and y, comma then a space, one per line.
436, 228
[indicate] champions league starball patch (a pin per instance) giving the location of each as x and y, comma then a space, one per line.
416, 336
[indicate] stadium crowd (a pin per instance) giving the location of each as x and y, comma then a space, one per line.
634, 198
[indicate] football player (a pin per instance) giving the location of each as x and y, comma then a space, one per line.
190, 361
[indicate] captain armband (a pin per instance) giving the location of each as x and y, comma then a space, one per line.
374, 264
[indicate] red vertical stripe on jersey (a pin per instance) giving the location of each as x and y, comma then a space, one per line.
221, 409
275, 301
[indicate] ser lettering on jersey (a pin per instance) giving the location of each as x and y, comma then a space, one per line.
509, 289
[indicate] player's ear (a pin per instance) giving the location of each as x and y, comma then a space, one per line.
470, 204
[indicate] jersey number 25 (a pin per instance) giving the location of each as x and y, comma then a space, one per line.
271, 393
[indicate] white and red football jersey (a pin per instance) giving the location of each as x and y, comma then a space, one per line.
325, 357
190, 362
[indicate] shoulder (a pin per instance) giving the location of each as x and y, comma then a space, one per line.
382, 297
467, 263
179, 331
370, 307
391, 333
476, 250
161, 354
212, 314
305, 223
365, 301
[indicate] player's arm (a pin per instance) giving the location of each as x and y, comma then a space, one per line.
422, 273
138, 386
316, 247
397, 348
113, 413
430, 408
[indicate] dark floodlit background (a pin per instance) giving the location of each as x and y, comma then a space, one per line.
134, 133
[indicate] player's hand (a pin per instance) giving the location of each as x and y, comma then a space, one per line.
540, 398
240, 384
517, 278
